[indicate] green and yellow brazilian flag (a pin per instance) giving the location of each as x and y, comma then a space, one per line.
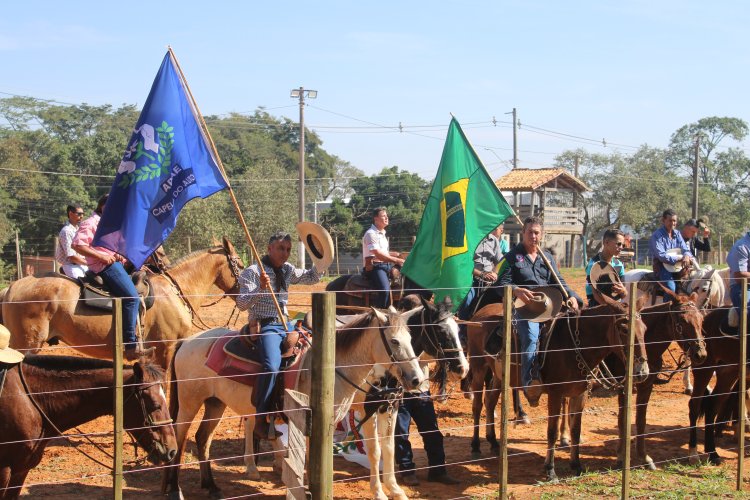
463, 207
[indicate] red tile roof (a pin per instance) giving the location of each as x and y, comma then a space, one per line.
529, 179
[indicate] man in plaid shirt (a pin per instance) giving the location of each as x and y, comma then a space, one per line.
255, 297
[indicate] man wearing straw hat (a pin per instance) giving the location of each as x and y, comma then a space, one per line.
669, 250
267, 329
527, 270
597, 270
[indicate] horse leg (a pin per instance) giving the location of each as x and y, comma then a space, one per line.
554, 406
15, 483
492, 395
477, 383
185, 415
724, 383
575, 410
386, 427
371, 436
701, 378
565, 423
4, 481
686, 379
641, 400
211, 418
521, 417
251, 469
620, 429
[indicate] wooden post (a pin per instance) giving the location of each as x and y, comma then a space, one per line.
118, 400
320, 471
55, 265
743, 383
625, 490
19, 266
506, 395
338, 271
189, 246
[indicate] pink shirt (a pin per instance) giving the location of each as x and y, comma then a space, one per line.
85, 235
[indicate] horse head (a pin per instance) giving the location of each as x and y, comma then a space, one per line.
709, 287
688, 325
620, 335
228, 278
395, 346
146, 414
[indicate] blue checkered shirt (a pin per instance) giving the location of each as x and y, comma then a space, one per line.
258, 301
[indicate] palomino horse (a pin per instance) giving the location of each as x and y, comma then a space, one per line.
574, 346
47, 395
36, 310
434, 338
678, 320
377, 337
723, 359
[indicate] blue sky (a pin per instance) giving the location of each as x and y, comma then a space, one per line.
630, 72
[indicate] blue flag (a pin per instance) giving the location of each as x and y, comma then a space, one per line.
167, 163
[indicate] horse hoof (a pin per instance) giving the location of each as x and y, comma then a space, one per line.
476, 454
618, 464
252, 474
688, 391
495, 450
650, 464
564, 442
552, 477
693, 457
175, 495
215, 494
576, 468
714, 458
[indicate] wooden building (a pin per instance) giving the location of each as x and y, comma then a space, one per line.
552, 194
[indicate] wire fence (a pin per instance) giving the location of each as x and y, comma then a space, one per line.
521, 454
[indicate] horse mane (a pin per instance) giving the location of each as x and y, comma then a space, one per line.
192, 255
351, 333
151, 372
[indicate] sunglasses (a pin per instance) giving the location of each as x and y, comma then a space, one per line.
79, 213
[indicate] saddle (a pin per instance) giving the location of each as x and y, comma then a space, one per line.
358, 286
234, 354
94, 293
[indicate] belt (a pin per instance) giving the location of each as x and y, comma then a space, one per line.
266, 321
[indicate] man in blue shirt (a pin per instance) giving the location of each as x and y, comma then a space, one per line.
737, 260
612, 242
667, 237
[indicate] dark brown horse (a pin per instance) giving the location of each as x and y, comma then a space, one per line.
723, 358
577, 343
679, 321
359, 292
47, 395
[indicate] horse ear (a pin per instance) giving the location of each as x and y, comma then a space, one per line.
138, 371
214, 241
694, 297
667, 291
228, 247
379, 314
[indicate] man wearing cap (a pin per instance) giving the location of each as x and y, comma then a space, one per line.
378, 259
612, 243
697, 236
71, 262
668, 247
255, 298
525, 272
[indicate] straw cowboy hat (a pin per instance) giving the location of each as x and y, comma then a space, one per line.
318, 243
546, 304
8, 355
603, 276
676, 267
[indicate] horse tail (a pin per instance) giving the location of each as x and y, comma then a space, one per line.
338, 284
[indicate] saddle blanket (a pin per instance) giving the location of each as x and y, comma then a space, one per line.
243, 371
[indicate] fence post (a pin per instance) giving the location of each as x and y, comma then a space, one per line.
118, 401
19, 266
743, 373
189, 246
320, 471
55, 265
506, 394
625, 489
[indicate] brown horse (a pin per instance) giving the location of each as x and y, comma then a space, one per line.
36, 310
47, 395
723, 358
679, 321
576, 344
361, 294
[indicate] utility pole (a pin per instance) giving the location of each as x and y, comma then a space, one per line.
312, 94
696, 164
515, 137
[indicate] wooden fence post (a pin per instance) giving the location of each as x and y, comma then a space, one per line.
55, 265
118, 401
625, 488
19, 266
507, 394
320, 470
743, 373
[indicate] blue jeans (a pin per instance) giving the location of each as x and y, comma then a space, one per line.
667, 279
464, 311
378, 276
528, 338
735, 293
420, 408
269, 345
121, 285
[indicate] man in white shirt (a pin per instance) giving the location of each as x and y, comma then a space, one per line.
378, 259
72, 263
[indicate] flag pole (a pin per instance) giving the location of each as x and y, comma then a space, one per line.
520, 222
204, 127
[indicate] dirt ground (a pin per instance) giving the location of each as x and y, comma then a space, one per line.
65, 473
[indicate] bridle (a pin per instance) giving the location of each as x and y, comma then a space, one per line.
694, 345
431, 335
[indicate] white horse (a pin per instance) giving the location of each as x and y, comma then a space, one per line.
376, 337
434, 334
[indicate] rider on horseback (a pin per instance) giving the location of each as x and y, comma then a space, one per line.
737, 260
262, 317
612, 242
109, 266
378, 259
663, 240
